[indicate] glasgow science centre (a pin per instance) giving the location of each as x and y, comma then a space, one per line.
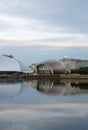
9, 67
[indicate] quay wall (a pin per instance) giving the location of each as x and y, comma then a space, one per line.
28, 76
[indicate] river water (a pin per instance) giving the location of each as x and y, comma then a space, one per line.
43, 105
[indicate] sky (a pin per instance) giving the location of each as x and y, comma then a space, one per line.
35, 30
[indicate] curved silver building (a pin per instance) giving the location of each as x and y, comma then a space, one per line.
10, 65
50, 67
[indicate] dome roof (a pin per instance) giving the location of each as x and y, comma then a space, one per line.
8, 63
54, 65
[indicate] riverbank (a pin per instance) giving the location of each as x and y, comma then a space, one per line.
53, 77
63, 76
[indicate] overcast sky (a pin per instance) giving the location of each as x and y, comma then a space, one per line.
44, 23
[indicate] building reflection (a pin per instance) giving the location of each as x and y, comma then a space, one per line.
52, 87
9, 89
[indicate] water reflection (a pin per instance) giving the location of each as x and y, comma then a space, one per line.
53, 87
29, 105
9, 89
49, 87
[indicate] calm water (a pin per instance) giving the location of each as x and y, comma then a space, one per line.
43, 105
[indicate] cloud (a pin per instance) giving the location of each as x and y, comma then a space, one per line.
63, 41
61, 13
44, 22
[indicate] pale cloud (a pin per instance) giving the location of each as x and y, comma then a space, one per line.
30, 23
12, 20
63, 41
23, 31
45, 23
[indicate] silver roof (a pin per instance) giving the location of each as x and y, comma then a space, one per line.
10, 64
55, 65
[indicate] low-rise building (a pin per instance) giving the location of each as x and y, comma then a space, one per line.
72, 63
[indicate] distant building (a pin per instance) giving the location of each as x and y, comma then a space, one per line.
69, 64
72, 63
81, 63
9, 65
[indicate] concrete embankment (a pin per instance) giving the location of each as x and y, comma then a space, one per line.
73, 76
64, 76
53, 77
